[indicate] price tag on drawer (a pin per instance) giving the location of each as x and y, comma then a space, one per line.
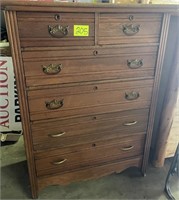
81, 30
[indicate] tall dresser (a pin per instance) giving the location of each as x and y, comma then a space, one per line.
88, 78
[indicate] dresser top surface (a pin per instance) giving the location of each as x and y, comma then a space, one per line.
29, 5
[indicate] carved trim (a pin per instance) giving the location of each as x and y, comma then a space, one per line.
96, 37
11, 23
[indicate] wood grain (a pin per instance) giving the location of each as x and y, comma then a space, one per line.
170, 100
12, 29
97, 154
89, 173
161, 53
40, 35
94, 101
111, 28
92, 86
78, 131
89, 69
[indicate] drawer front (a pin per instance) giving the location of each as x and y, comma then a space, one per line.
87, 52
129, 28
70, 70
90, 99
55, 29
89, 173
106, 152
63, 133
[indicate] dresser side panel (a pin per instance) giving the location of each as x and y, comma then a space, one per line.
11, 23
159, 64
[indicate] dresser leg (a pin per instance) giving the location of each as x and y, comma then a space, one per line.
143, 172
34, 194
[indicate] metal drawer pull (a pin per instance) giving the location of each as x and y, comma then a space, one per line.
58, 31
134, 64
54, 104
59, 162
54, 135
127, 148
132, 95
131, 29
130, 123
52, 69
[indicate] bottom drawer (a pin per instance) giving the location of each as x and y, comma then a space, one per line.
93, 155
88, 173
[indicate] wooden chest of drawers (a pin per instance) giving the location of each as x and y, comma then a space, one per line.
88, 78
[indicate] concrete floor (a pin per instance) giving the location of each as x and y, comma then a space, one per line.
126, 185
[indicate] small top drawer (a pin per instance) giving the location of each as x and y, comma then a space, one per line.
129, 28
55, 29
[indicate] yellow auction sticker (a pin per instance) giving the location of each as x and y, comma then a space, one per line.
81, 30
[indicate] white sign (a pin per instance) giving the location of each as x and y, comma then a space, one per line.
10, 119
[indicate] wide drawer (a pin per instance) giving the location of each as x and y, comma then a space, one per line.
129, 28
36, 54
44, 29
94, 155
89, 173
70, 70
89, 99
64, 133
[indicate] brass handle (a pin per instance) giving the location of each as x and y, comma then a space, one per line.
131, 29
52, 69
59, 162
132, 95
134, 64
58, 31
54, 104
127, 148
54, 135
130, 123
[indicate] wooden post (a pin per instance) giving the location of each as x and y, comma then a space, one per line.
167, 114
